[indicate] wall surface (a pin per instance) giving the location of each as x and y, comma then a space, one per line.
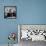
28, 12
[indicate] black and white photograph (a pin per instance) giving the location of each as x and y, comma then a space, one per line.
10, 12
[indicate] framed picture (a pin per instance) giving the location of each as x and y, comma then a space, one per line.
33, 32
10, 12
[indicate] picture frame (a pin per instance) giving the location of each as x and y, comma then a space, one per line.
10, 12
33, 32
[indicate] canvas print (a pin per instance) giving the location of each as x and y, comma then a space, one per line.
33, 32
10, 12
32, 35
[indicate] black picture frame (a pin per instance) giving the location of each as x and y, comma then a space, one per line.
10, 12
